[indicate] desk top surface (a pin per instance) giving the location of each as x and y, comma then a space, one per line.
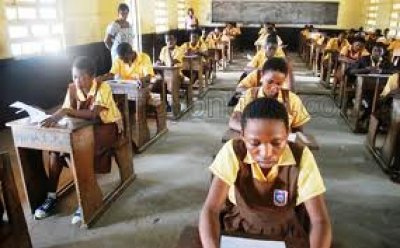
374, 75
164, 67
68, 125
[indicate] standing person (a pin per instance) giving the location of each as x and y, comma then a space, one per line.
191, 21
119, 31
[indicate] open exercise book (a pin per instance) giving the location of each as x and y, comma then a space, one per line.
236, 242
36, 115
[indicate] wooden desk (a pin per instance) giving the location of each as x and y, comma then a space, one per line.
14, 232
328, 67
172, 79
76, 139
213, 53
366, 83
138, 117
318, 57
195, 63
340, 82
387, 155
312, 143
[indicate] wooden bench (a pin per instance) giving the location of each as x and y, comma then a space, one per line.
304, 139
328, 68
340, 82
173, 80
388, 153
76, 138
13, 231
368, 87
140, 106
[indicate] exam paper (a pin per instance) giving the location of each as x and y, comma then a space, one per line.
36, 115
236, 242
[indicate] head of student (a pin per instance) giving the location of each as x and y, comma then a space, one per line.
271, 45
126, 53
274, 73
265, 129
170, 40
83, 72
123, 11
190, 12
217, 31
194, 37
386, 32
378, 51
341, 35
358, 44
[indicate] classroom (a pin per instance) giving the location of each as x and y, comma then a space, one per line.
200, 123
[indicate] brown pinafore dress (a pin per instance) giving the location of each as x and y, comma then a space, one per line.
267, 210
105, 135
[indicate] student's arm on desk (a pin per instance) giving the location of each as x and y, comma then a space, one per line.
209, 226
321, 231
82, 114
234, 121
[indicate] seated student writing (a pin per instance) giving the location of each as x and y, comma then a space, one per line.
88, 99
355, 51
274, 74
215, 42
261, 181
376, 63
194, 48
333, 48
130, 65
253, 78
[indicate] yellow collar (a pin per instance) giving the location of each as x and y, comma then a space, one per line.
261, 94
92, 92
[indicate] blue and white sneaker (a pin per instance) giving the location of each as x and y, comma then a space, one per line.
45, 209
77, 217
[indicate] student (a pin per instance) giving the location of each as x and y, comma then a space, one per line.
274, 74
376, 63
261, 181
337, 44
271, 48
119, 31
260, 42
191, 48
253, 78
170, 54
355, 51
130, 65
392, 85
88, 99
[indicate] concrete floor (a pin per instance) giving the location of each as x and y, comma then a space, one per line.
172, 180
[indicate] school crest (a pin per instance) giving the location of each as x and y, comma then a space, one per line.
280, 197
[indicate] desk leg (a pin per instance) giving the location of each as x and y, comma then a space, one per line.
33, 175
176, 104
88, 191
124, 159
141, 133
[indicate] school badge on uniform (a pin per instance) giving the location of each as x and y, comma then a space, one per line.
280, 197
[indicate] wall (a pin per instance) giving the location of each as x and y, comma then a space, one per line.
350, 12
4, 48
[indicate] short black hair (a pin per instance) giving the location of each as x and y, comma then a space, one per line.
265, 108
359, 39
276, 64
123, 7
170, 34
123, 49
86, 64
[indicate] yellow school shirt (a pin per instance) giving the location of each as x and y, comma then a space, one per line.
199, 47
250, 81
175, 53
346, 51
213, 39
309, 184
104, 98
260, 58
298, 115
394, 45
392, 84
333, 44
141, 67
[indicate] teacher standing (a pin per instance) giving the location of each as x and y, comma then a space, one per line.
119, 31
191, 22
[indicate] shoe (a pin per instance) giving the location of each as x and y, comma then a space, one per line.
45, 209
77, 217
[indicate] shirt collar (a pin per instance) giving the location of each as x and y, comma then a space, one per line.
92, 92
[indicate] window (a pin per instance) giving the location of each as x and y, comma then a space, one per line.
161, 16
34, 27
372, 13
134, 20
182, 8
394, 20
